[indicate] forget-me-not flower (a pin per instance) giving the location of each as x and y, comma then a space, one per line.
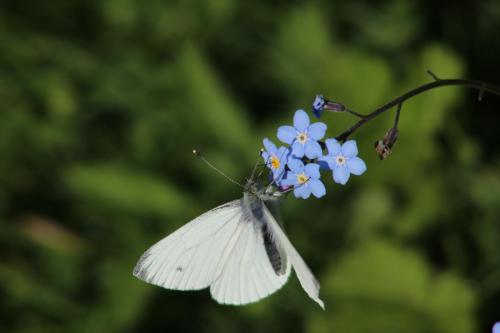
275, 159
304, 179
343, 160
318, 104
303, 136
496, 327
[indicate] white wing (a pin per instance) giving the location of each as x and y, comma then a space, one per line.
249, 275
306, 278
222, 249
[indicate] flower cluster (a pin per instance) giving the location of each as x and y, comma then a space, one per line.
297, 166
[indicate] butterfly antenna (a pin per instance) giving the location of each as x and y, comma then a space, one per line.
256, 164
264, 166
197, 153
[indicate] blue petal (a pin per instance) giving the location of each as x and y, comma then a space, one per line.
302, 191
318, 104
270, 146
278, 174
316, 131
290, 179
307, 192
341, 174
332, 164
313, 149
333, 146
496, 327
301, 120
350, 149
297, 191
312, 170
317, 188
287, 134
327, 162
295, 165
282, 154
323, 163
356, 165
318, 112
279, 183
265, 156
297, 149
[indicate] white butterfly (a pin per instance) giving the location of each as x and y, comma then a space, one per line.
237, 249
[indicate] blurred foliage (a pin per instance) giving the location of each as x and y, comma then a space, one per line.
101, 103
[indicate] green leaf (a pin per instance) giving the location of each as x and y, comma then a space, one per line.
379, 287
114, 187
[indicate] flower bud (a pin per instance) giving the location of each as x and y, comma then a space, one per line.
334, 106
318, 104
383, 147
321, 104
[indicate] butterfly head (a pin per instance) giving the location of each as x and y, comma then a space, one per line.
263, 192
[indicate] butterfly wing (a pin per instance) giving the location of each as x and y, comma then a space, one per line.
224, 249
306, 278
193, 256
249, 274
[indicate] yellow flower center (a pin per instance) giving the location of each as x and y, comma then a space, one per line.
275, 162
302, 178
302, 138
340, 159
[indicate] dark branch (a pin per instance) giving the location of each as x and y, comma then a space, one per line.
481, 86
434, 76
396, 118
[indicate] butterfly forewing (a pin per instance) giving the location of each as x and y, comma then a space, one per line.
224, 249
192, 257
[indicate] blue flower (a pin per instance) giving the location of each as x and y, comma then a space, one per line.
304, 179
343, 160
303, 136
318, 104
496, 327
275, 158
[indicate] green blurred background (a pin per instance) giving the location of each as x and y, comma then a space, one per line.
101, 103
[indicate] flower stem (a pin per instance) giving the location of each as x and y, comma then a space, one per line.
396, 118
359, 115
481, 86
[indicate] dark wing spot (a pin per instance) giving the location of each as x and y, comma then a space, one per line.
179, 269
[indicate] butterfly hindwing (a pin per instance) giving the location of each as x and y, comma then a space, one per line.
249, 274
306, 278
